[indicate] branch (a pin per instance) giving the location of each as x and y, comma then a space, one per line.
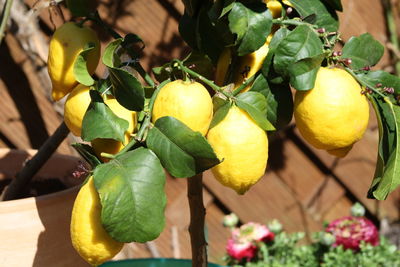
24, 177
197, 217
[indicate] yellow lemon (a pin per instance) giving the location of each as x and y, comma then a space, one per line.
112, 146
75, 108
88, 236
65, 45
334, 114
275, 7
186, 101
247, 65
243, 147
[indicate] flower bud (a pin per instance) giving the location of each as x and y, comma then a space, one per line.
327, 239
357, 210
230, 220
275, 226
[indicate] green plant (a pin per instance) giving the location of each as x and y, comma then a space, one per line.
296, 40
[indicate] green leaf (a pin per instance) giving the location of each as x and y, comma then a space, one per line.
274, 44
110, 57
200, 63
303, 73
299, 44
212, 47
100, 122
187, 30
364, 51
104, 86
131, 189
325, 17
192, 6
383, 77
220, 114
80, 70
87, 153
183, 152
251, 24
335, 4
81, 8
127, 89
251, 102
387, 173
279, 101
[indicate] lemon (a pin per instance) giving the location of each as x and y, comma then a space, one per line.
247, 65
88, 236
75, 108
243, 147
334, 114
275, 7
186, 101
112, 146
65, 45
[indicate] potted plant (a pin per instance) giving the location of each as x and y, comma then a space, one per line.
184, 121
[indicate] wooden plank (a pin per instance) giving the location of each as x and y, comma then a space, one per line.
340, 209
269, 199
364, 16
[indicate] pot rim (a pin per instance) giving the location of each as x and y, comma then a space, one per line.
46, 197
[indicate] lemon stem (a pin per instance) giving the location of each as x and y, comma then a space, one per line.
5, 15
96, 18
203, 79
107, 155
292, 22
245, 84
142, 133
364, 83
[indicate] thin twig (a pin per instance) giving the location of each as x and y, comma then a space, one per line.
4, 20
391, 25
23, 178
197, 218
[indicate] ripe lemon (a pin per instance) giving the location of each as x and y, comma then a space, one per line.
243, 147
112, 146
65, 45
334, 114
186, 101
75, 108
247, 65
275, 7
88, 236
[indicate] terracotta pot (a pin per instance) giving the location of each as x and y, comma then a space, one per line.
34, 231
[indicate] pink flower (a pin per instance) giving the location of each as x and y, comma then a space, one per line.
256, 232
349, 231
243, 242
240, 249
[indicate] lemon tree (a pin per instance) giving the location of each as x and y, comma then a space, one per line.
191, 120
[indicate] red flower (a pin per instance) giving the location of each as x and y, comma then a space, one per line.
349, 231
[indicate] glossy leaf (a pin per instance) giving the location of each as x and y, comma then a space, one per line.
303, 73
81, 8
87, 153
80, 70
127, 89
300, 44
335, 4
183, 152
279, 101
131, 189
325, 16
251, 102
382, 77
220, 114
274, 44
192, 6
110, 57
100, 122
251, 23
364, 51
387, 174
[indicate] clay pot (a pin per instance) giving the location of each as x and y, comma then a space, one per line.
34, 231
